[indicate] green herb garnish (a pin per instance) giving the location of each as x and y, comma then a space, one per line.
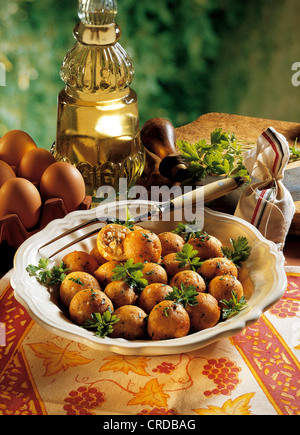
76, 280
188, 256
147, 237
131, 273
165, 311
184, 295
103, 324
240, 252
295, 152
188, 230
223, 156
233, 307
45, 276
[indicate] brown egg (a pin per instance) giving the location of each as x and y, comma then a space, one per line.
34, 164
6, 173
63, 180
14, 145
19, 196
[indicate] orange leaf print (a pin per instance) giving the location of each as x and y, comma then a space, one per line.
239, 406
125, 364
57, 359
152, 394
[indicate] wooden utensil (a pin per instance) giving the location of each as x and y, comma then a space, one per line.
159, 137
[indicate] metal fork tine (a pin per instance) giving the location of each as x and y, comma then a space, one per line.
54, 247
47, 251
78, 227
79, 239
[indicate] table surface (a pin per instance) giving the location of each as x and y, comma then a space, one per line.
254, 372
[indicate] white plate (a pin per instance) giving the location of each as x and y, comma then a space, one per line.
263, 277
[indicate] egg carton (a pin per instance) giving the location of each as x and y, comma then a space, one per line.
13, 232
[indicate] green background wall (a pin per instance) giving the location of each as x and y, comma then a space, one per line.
190, 57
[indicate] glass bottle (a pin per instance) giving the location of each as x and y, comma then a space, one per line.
98, 122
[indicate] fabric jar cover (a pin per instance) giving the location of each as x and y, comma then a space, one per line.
266, 203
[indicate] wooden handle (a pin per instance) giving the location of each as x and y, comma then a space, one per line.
159, 137
209, 192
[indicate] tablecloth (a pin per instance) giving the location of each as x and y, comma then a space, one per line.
256, 372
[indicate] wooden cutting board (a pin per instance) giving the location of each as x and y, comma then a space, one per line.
247, 130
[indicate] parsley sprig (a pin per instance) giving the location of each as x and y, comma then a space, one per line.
240, 252
184, 295
295, 152
102, 324
188, 256
188, 230
45, 276
223, 156
233, 306
131, 273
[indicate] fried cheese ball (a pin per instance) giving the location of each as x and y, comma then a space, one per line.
79, 261
132, 324
154, 273
120, 293
142, 246
171, 265
170, 243
205, 314
221, 287
217, 267
73, 283
189, 277
207, 246
110, 242
152, 295
86, 302
168, 320
104, 273
98, 257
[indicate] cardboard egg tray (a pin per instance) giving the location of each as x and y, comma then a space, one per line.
13, 232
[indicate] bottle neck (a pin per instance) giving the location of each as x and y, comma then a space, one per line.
97, 66
94, 35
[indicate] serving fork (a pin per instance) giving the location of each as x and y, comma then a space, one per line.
90, 227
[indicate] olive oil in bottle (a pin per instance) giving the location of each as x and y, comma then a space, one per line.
98, 122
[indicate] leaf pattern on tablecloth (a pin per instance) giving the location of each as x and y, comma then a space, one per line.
126, 364
57, 359
239, 406
152, 394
